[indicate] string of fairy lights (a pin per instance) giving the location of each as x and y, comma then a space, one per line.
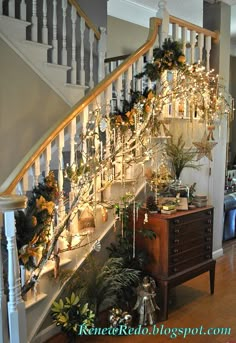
114, 147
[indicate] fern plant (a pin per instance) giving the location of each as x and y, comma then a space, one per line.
179, 156
109, 286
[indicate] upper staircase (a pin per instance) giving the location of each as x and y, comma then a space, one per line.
85, 138
58, 41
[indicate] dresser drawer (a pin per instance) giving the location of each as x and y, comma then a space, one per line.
179, 267
179, 245
194, 219
179, 254
185, 234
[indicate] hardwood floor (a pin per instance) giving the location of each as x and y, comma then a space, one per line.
193, 306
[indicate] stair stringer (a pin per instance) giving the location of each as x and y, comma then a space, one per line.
77, 259
13, 32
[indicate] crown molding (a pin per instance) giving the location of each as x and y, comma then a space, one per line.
131, 11
137, 12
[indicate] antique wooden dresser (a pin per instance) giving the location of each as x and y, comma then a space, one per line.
181, 251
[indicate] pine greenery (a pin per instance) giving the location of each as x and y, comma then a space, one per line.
179, 156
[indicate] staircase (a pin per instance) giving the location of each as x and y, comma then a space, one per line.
58, 41
28, 36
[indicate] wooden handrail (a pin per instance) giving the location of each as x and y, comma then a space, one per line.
86, 18
190, 26
15, 177
116, 58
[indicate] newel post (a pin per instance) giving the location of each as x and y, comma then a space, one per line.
163, 14
102, 49
16, 305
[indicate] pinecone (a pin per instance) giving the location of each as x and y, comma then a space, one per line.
151, 204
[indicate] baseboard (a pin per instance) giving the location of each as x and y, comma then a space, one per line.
218, 253
45, 334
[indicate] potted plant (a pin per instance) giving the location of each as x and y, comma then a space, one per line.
180, 158
70, 314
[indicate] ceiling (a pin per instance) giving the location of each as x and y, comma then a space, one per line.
191, 9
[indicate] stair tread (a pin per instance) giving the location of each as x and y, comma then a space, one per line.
36, 44
76, 86
50, 265
16, 20
34, 300
57, 66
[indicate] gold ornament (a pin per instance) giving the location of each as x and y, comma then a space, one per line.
86, 222
204, 147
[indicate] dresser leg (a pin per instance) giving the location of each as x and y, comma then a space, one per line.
164, 300
212, 277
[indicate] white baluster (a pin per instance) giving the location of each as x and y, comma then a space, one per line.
16, 305
175, 32
91, 41
82, 71
34, 22
45, 26
64, 49
192, 45
149, 59
184, 39
139, 69
25, 183
11, 8
208, 49
73, 151
54, 34
129, 76
48, 156
60, 142
3, 299
102, 48
23, 10
72, 133
73, 58
84, 120
37, 171
118, 87
200, 46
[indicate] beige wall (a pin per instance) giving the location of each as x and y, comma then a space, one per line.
124, 37
233, 93
28, 108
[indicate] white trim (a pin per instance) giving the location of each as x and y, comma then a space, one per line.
27, 61
45, 334
43, 315
138, 13
129, 11
218, 253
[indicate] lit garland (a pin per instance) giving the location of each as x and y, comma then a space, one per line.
113, 143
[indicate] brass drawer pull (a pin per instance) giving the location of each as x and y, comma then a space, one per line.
175, 270
208, 229
208, 239
176, 241
209, 221
209, 213
176, 230
208, 247
175, 259
176, 221
175, 251
207, 256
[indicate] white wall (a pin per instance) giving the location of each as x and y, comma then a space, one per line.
28, 108
124, 37
139, 12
